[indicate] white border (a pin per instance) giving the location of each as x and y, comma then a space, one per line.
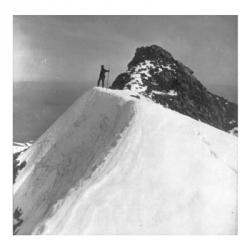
212, 7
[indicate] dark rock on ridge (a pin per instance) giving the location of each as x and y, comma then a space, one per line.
154, 73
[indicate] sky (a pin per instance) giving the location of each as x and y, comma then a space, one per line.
72, 48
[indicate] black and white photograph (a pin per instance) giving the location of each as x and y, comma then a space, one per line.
125, 125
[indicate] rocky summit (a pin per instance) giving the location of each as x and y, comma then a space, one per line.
154, 73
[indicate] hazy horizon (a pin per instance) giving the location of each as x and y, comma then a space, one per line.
72, 48
57, 58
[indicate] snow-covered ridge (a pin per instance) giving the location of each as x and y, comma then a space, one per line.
117, 164
156, 74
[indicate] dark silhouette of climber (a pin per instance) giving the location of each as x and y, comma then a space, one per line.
102, 75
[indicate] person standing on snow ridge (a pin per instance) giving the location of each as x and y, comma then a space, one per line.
102, 75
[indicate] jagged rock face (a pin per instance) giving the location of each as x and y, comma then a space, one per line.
154, 73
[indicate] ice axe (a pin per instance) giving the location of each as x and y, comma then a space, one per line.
108, 78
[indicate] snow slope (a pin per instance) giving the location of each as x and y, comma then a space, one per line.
20, 146
116, 164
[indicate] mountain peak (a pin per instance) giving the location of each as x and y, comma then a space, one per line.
153, 52
156, 74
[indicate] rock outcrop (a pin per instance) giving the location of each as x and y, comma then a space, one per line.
154, 73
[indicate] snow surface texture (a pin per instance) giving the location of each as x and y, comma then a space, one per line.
115, 164
20, 146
